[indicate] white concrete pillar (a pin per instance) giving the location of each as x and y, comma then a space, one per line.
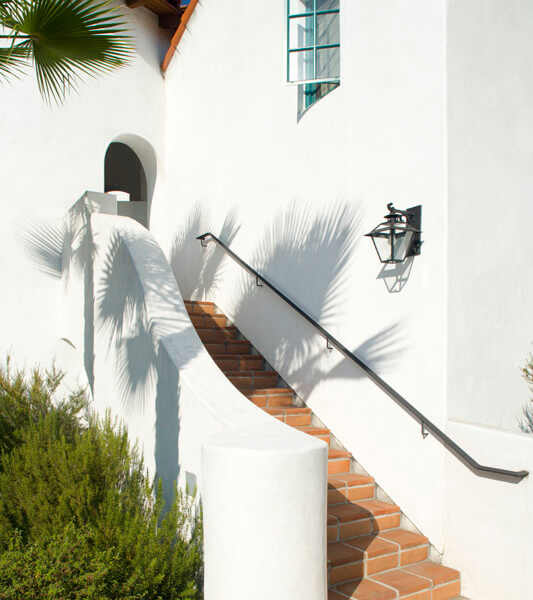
264, 502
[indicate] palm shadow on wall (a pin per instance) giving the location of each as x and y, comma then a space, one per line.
199, 273
309, 256
57, 249
140, 345
143, 366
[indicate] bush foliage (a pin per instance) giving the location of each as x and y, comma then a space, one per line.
78, 515
527, 422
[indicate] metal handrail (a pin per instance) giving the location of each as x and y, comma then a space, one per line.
427, 427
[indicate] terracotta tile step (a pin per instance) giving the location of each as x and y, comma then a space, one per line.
365, 517
228, 347
365, 556
338, 461
270, 397
403, 584
214, 320
319, 432
235, 362
349, 487
256, 380
217, 334
195, 307
291, 416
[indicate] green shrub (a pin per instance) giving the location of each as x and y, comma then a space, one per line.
527, 423
78, 515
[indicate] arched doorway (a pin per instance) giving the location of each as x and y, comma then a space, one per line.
124, 174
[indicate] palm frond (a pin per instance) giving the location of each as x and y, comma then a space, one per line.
13, 60
67, 39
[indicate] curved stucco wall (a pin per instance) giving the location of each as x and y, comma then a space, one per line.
262, 483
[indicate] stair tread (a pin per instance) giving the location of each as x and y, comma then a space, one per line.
236, 356
348, 480
270, 391
364, 589
402, 581
372, 545
287, 410
404, 538
313, 430
257, 373
355, 511
438, 574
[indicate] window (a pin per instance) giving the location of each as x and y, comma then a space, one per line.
313, 40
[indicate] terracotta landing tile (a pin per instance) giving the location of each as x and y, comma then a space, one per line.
340, 554
372, 546
405, 583
366, 590
437, 574
405, 539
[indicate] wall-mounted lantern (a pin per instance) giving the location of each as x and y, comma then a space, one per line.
398, 237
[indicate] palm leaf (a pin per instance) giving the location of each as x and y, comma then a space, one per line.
67, 39
13, 60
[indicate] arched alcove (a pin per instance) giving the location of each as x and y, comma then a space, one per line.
124, 173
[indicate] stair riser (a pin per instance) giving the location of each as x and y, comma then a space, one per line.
255, 382
234, 347
217, 335
338, 465
209, 321
231, 366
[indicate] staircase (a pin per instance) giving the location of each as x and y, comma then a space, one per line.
370, 555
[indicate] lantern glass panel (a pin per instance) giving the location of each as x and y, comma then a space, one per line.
382, 243
401, 242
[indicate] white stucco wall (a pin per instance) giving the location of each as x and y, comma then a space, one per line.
490, 151
48, 156
294, 194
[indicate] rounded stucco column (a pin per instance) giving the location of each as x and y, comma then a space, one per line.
264, 503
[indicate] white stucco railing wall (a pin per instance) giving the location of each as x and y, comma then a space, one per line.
488, 523
262, 484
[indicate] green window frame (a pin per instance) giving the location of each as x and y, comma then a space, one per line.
313, 41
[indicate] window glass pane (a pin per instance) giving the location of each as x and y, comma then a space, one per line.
327, 29
328, 63
301, 34
301, 65
327, 4
298, 7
